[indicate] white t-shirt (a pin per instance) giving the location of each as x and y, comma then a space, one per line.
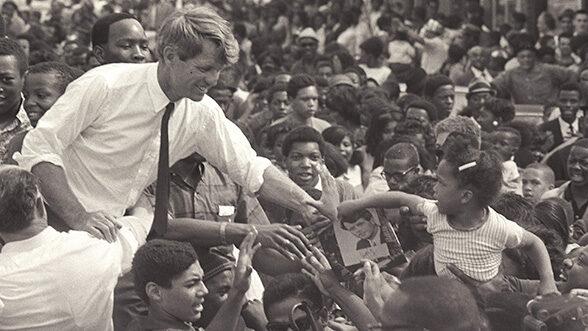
478, 252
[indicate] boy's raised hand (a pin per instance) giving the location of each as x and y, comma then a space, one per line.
244, 267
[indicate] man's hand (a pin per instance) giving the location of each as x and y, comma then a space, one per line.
253, 315
100, 224
286, 239
580, 292
329, 201
375, 288
318, 268
243, 270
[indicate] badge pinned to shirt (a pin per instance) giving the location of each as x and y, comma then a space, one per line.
226, 210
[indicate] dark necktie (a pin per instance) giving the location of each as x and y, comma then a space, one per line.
571, 130
162, 193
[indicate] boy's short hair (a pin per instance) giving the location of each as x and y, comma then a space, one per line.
11, 47
101, 28
354, 217
434, 82
437, 303
515, 208
303, 134
298, 82
516, 133
275, 89
403, 151
65, 74
292, 285
462, 124
373, 46
161, 261
484, 179
546, 171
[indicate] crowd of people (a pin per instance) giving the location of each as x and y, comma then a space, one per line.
178, 166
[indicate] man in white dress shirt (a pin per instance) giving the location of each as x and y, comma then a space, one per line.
52, 280
96, 149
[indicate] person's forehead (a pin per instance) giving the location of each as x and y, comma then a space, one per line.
42, 79
279, 95
569, 94
445, 90
308, 91
305, 147
392, 165
415, 110
307, 40
533, 173
579, 152
222, 279
126, 29
193, 271
526, 53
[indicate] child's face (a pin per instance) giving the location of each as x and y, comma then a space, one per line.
447, 191
184, 298
504, 143
41, 90
534, 184
346, 148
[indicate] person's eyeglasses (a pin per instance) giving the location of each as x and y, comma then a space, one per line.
302, 323
381, 327
397, 176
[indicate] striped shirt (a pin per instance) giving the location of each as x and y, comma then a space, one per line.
477, 252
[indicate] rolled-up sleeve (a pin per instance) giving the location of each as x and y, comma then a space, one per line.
74, 111
223, 144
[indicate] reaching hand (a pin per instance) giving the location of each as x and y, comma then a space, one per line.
581, 292
253, 315
286, 239
243, 270
318, 268
100, 224
375, 288
329, 201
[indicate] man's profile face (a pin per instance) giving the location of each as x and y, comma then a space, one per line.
578, 166
302, 162
218, 291
305, 104
534, 184
127, 43
11, 83
444, 98
222, 96
576, 269
192, 78
569, 104
183, 300
280, 105
362, 228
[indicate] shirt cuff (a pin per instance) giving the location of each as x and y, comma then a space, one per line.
255, 174
29, 161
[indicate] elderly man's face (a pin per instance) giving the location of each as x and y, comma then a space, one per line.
192, 78
478, 58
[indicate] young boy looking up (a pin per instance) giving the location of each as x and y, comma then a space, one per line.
466, 231
538, 178
44, 83
506, 142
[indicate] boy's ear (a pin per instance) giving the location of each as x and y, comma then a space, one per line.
98, 51
153, 292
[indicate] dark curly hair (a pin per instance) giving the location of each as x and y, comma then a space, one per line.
500, 108
484, 179
161, 261
18, 195
292, 285
343, 99
336, 134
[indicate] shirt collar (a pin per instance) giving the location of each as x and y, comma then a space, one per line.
158, 97
565, 125
22, 116
43, 237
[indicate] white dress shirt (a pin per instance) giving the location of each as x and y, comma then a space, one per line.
65, 280
105, 132
564, 126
